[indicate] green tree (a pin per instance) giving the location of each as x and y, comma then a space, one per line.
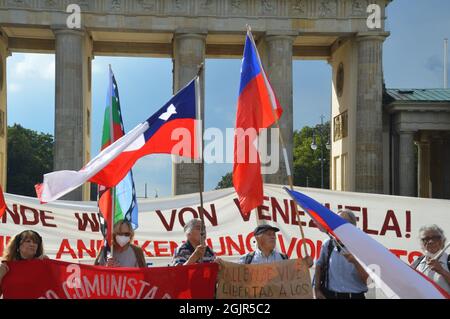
307, 165
30, 156
226, 181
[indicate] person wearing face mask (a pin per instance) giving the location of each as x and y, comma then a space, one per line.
435, 263
24, 246
125, 254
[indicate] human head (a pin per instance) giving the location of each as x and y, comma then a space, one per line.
265, 237
25, 245
193, 231
123, 232
432, 238
348, 215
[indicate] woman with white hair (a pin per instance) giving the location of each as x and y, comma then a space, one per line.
435, 262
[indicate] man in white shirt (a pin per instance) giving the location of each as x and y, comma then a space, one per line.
435, 262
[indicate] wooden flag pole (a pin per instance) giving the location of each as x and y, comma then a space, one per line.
288, 169
202, 164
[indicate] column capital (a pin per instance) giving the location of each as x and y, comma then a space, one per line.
271, 35
61, 29
191, 33
372, 36
402, 131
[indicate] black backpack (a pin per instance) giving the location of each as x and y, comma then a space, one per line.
420, 258
249, 257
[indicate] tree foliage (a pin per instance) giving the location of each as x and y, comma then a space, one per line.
226, 181
307, 164
30, 156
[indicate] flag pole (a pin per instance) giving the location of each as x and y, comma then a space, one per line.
202, 164
288, 168
112, 189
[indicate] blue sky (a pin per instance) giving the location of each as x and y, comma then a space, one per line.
412, 58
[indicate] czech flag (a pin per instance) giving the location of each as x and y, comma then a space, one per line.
257, 109
171, 130
395, 278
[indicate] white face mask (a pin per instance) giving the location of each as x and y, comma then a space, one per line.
122, 240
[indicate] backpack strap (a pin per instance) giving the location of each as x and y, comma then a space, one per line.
249, 258
448, 262
284, 256
417, 261
327, 263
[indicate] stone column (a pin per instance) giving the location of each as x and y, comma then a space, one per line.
369, 138
407, 170
277, 57
4, 53
423, 169
439, 167
446, 166
188, 54
72, 104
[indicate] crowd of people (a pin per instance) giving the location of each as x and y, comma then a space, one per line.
338, 274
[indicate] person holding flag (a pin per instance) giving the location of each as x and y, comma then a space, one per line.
125, 253
116, 203
393, 276
258, 108
338, 274
194, 250
435, 262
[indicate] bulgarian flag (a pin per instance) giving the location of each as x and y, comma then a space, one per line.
117, 202
172, 129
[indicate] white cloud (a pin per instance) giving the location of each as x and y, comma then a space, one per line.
33, 66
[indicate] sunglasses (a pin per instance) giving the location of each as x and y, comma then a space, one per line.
427, 239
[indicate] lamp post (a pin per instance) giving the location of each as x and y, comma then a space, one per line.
321, 132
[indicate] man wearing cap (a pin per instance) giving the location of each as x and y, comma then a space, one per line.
266, 252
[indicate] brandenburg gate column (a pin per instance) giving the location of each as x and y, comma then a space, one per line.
423, 166
3, 109
369, 139
73, 54
189, 48
407, 171
276, 54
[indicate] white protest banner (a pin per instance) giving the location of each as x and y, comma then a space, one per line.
71, 230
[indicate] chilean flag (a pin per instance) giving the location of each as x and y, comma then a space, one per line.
394, 277
172, 130
257, 108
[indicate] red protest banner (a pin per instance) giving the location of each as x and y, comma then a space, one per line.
61, 280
